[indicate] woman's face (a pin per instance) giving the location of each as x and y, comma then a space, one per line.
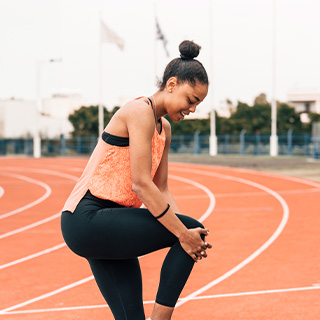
184, 98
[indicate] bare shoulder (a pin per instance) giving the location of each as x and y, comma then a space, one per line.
137, 109
131, 115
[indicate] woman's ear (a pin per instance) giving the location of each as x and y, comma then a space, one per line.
171, 84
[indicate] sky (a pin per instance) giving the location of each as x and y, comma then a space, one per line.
236, 37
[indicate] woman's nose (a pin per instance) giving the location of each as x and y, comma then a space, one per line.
192, 109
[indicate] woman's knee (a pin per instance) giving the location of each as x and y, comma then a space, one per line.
190, 222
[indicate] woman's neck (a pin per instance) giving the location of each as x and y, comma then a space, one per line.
159, 99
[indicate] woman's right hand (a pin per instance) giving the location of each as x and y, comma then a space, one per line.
193, 245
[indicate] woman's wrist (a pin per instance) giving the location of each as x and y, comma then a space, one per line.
182, 234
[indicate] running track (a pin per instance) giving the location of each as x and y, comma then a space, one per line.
264, 263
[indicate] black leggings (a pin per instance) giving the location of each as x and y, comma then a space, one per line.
111, 237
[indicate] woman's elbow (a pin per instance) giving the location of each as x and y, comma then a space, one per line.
139, 185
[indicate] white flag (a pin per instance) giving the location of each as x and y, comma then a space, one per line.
107, 35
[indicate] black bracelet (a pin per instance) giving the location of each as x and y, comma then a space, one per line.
163, 213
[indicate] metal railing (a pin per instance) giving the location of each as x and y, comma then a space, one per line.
243, 144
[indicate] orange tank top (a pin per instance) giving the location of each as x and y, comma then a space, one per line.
108, 172
112, 179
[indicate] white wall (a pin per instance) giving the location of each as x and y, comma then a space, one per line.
18, 117
299, 98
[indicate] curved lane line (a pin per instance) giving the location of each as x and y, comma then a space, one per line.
203, 217
35, 224
31, 204
29, 226
77, 283
255, 172
287, 177
34, 255
45, 171
242, 264
215, 296
205, 189
1, 191
47, 295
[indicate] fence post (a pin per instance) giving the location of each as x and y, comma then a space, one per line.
257, 143
226, 144
63, 144
79, 146
316, 153
196, 139
242, 141
289, 142
2, 147
93, 142
306, 141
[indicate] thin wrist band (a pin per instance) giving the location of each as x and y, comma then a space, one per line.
163, 213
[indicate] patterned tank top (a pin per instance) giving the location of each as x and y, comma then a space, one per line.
108, 172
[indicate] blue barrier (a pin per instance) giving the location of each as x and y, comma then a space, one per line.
244, 144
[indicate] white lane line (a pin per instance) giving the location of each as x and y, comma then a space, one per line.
250, 194
31, 204
286, 177
251, 293
208, 211
253, 209
31, 256
29, 226
252, 172
205, 189
57, 215
47, 295
45, 171
1, 191
214, 296
274, 236
72, 285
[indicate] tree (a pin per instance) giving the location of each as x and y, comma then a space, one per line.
254, 119
85, 121
287, 119
261, 99
189, 127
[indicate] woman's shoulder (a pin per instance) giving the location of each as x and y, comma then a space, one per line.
138, 116
139, 107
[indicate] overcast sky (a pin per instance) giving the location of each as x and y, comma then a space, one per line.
239, 62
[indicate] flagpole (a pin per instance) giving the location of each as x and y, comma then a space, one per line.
155, 43
100, 66
274, 137
213, 141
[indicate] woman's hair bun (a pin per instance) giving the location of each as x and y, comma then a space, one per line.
189, 50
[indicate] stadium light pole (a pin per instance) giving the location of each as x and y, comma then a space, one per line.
36, 134
213, 143
274, 137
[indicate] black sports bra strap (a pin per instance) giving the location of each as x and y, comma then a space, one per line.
150, 101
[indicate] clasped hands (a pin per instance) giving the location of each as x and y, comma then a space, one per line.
193, 244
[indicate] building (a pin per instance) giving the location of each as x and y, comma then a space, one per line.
304, 102
18, 118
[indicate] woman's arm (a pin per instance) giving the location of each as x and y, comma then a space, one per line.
161, 177
140, 124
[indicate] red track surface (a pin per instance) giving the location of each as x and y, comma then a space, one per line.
264, 228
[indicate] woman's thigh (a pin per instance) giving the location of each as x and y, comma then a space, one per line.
118, 233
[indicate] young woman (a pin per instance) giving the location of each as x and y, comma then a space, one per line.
102, 219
